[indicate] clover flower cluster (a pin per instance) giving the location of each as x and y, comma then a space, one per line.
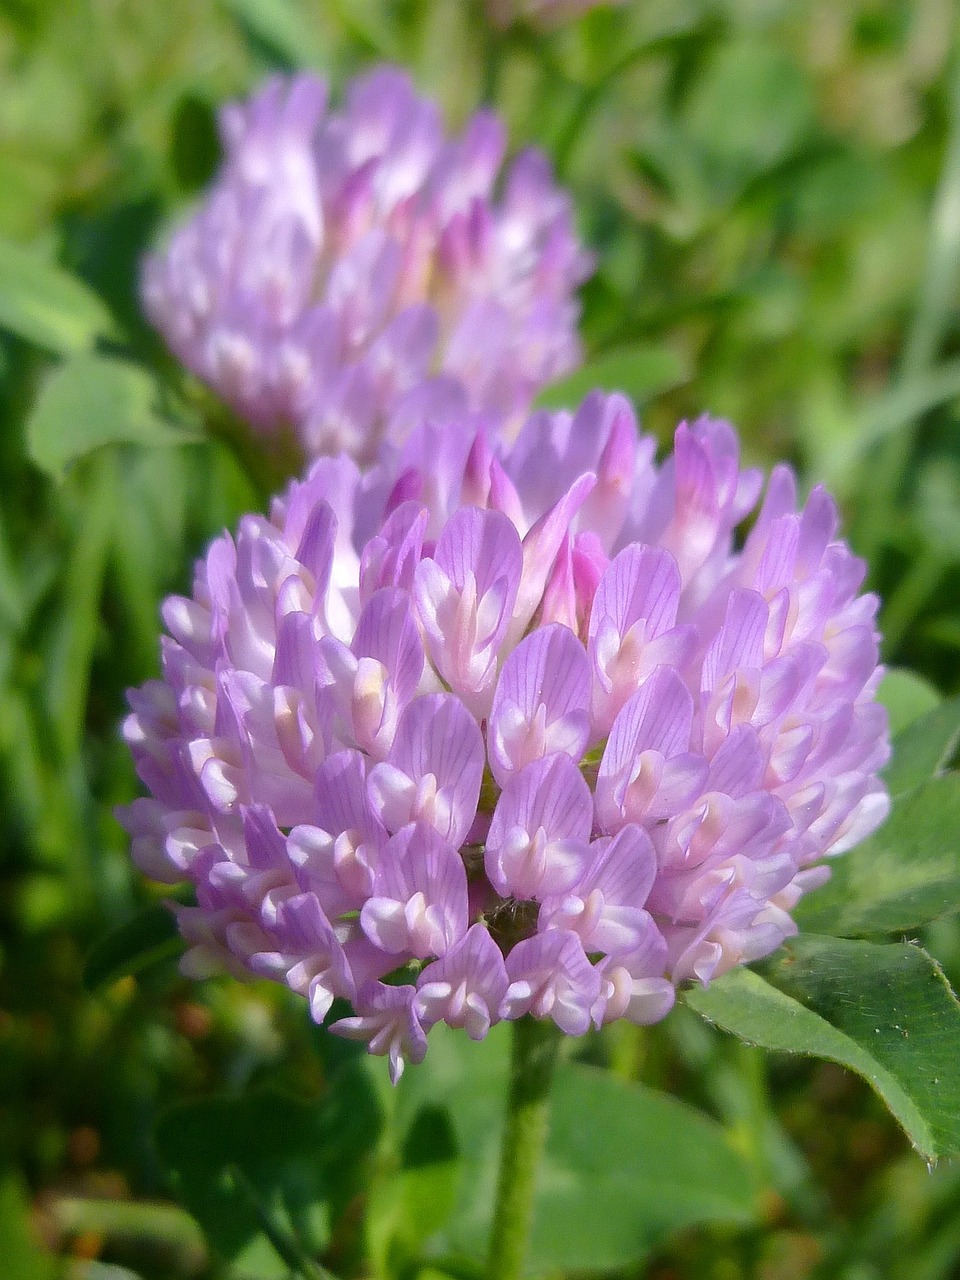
344, 258
482, 732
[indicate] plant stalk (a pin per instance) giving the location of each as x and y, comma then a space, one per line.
536, 1046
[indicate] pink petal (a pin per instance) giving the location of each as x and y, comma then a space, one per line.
434, 769
537, 843
419, 904
545, 684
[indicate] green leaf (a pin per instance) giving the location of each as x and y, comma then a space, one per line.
195, 146
942, 267
470, 1080
890, 412
150, 937
884, 1011
46, 305
269, 1138
279, 29
907, 697
75, 627
94, 400
265, 1167
906, 874
749, 104
417, 1199
924, 748
22, 1256
148, 546
624, 1165
13, 605
639, 372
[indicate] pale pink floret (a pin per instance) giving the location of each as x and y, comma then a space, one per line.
537, 844
606, 907
466, 987
466, 595
646, 772
310, 957
432, 774
487, 732
541, 703
551, 977
367, 685
419, 902
388, 1022
632, 627
338, 854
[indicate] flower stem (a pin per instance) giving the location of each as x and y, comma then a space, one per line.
535, 1049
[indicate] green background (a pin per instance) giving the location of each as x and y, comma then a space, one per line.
772, 190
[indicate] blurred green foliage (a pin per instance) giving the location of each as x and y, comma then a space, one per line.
772, 189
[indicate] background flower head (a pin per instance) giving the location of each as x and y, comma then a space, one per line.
341, 257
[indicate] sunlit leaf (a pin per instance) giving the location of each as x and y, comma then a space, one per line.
150, 937
624, 1165
926, 747
907, 696
749, 104
279, 29
91, 401
884, 1011
44, 304
906, 874
639, 372
22, 1256
415, 1199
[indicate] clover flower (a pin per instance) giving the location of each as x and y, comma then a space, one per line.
482, 732
341, 258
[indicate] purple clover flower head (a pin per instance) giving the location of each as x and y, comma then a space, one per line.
347, 264
453, 741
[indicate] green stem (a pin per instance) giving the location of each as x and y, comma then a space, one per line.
494, 50
285, 1244
591, 96
536, 1046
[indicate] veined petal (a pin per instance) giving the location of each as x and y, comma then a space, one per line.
419, 903
388, 1023
467, 986
537, 843
434, 769
541, 703
551, 977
